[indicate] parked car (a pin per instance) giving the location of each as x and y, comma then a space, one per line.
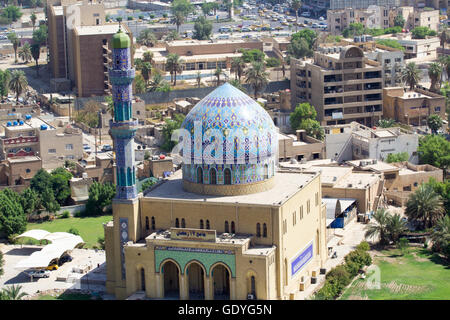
107, 148
52, 266
64, 259
39, 273
321, 18
87, 148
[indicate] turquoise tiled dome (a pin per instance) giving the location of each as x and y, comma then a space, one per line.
239, 118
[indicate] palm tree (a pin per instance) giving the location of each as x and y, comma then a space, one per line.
156, 82
146, 71
257, 77
441, 236
172, 35
18, 82
379, 226
445, 63
147, 38
444, 37
174, 66
148, 57
296, 5
395, 227
238, 67
237, 84
435, 72
424, 205
12, 37
228, 4
25, 53
411, 75
218, 72
13, 293
35, 53
5, 77
33, 19
199, 78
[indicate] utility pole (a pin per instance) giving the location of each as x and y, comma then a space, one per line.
95, 141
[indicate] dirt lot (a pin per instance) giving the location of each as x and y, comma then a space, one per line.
63, 278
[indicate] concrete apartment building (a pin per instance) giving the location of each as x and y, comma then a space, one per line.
372, 17
299, 147
412, 107
341, 83
16, 173
36, 137
79, 46
98, 167
355, 141
204, 54
415, 17
415, 48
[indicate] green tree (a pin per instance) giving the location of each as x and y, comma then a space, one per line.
411, 75
35, 53
139, 84
147, 184
312, 129
435, 150
33, 19
12, 13
397, 157
174, 66
272, 62
237, 67
302, 112
421, 32
30, 201
18, 83
5, 76
403, 245
169, 127
296, 5
12, 218
399, 21
395, 227
252, 55
386, 123
434, 122
147, 38
390, 43
443, 189
435, 73
236, 83
12, 292
299, 48
202, 29
14, 39
180, 10
60, 184
100, 196
354, 29
206, 7
2, 262
257, 77
441, 236
173, 35
378, 228
228, 4
146, 71
25, 52
218, 72
42, 184
424, 206
445, 64
40, 35
198, 78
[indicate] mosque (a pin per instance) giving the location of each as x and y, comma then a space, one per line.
229, 225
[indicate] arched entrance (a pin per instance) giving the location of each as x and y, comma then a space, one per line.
171, 280
142, 279
221, 281
196, 283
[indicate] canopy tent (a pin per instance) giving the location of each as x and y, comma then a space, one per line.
61, 242
337, 210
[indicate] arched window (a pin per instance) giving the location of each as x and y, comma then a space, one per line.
226, 227
147, 224
212, 176
233, 230
265, 230
177, 223
183, 223
199, 175
258, 230
207, 224
201, 223
266, 171
227, 176
253, 285
153, 223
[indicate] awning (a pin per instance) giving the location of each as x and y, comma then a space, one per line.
61, 242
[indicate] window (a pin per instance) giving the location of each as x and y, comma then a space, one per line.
265, 230
69, 146
233, 229
70, 157
27, 170
294, 218
258, 230
201, 223
147, 224
317, 198
227, 176
183, 223
227, 230
177, 223
207, 224
308, 206
153, 223
51, 150
199, 175
212, 176
301, 212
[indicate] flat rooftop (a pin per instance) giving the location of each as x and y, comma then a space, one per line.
182, 43
413, 95
380, 166
357, 181
230, 238
100, 29
286, 185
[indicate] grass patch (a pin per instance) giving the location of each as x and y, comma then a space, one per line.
90, 228
66, 296
418, 275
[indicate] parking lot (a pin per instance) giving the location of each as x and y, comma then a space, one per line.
93, 261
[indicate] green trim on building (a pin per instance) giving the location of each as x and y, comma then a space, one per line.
207, 259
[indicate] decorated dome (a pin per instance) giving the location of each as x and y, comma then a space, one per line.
233, 142
120, 40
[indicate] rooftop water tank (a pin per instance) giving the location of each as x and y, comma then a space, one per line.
27, 117
43, 127
9, 124
15, 123
21, 122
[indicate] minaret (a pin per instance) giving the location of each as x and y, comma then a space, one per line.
123, 127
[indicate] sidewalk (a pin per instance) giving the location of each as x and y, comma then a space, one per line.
344, 241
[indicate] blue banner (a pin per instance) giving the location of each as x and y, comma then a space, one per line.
303, 258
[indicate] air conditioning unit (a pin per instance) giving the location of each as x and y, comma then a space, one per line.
313, 280
251, 297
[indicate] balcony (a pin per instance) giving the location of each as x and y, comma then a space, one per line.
20, 140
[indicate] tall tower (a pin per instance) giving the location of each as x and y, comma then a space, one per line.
123, 128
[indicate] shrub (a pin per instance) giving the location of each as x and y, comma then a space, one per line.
339, 275
364, 246
359, 257
65, 215
403, 244
327, 292
272, 62
352, 268
74, 231
101, 242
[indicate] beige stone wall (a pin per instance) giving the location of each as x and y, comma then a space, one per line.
206, 47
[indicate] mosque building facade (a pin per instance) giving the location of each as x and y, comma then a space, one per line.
229, 224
